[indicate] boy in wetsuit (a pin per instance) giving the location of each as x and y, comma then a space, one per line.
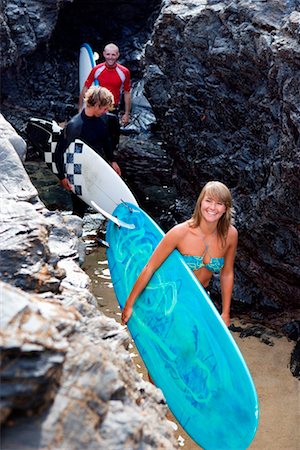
93, 127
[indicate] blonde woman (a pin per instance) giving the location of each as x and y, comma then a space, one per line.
207, 242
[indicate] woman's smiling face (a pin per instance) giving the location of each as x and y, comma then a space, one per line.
212, 209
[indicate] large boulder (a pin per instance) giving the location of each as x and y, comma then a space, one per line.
9, 137
25, 25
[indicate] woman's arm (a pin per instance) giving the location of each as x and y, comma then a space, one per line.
227, 274
162, 251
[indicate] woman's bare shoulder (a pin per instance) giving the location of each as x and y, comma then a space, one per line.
232, 235
179, 229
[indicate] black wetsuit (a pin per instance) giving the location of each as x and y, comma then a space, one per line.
100, 133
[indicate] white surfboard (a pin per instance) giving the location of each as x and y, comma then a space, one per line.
91, 177
86, 63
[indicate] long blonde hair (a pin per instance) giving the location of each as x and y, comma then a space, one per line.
219, 192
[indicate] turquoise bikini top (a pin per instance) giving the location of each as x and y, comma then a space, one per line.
196, 262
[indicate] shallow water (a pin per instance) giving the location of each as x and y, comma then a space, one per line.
278, 391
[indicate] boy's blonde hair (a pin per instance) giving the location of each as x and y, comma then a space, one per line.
98, 95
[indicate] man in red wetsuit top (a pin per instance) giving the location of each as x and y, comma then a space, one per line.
113, 76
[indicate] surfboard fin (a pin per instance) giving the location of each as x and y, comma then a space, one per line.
114, 219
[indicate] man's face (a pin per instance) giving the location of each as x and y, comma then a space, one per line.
111, 56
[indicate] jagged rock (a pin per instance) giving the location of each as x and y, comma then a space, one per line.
9, 136
141, 161
101, 395
142, 118
25, 26
32, 350
103, 400
292, 330
14, 182
24, 253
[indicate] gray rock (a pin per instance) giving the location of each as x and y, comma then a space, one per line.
14, 182
24, 252
9, 136
32, 350
25, 26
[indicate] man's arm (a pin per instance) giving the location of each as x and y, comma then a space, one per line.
59, 161
88, 83
81, 98
68, 135
60, 149
111, 143
127, 102
116, 167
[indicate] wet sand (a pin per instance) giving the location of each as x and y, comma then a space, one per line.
278, 391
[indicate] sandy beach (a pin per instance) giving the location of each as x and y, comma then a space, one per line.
278, 391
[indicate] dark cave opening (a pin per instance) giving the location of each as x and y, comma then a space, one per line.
128, 24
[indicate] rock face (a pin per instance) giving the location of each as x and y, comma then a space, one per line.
64, 365
26, 25
223, 80
10, 139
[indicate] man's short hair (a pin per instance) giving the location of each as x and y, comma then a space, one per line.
111, 46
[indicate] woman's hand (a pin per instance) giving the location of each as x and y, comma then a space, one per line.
126, 314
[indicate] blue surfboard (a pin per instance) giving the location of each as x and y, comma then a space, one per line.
188, 350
